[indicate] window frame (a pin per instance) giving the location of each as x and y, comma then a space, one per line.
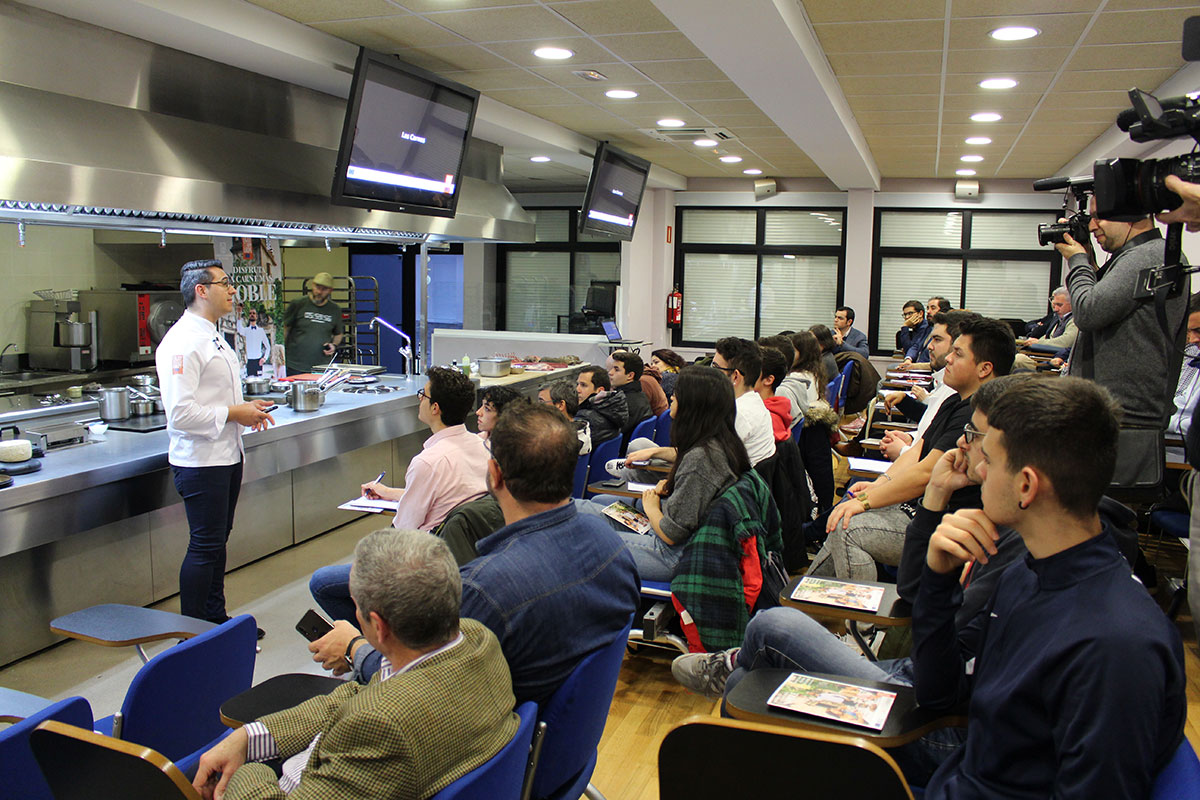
572, 246
962, 253
758, 249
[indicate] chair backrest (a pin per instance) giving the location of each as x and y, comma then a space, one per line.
643, 430
662, 429
602, 453
503, 775
1180, 778
844, 386
173, 704
80, 764
22, 779
831, 390
711, 757
575, 715
581, 474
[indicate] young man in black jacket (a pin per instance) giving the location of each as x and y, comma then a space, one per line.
604, 410
625, 375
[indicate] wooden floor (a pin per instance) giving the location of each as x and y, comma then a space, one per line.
649, 702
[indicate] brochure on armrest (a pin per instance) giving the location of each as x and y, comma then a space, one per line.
370, 506
840, 702
869, 464
628, 516
843, 594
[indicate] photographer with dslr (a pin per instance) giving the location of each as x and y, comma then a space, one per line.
1120, 344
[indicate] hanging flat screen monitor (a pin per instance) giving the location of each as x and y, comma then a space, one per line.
404, 138
614, 193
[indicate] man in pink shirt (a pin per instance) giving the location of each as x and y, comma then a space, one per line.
451, 468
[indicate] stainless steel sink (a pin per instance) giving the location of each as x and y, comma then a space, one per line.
28, 376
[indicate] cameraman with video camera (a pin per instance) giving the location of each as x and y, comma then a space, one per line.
1120, 343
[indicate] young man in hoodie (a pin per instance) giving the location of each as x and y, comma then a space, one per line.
774, 369
604, 410
625, 375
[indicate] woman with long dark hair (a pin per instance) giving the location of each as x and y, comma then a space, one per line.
707, 458
825, 340
666, 364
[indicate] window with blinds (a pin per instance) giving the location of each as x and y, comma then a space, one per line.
986, 261
753, 272
546, 283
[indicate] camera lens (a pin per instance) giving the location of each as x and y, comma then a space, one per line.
1052, 232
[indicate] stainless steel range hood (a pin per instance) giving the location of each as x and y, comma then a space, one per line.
104, 130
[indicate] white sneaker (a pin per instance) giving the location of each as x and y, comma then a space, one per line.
616, 467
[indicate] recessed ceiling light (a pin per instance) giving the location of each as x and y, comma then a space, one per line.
621, 94
705, 143
964, 172
977, 140
986, 116
540, 159
553, 53
670, 122
997, 83
1014, 33
752, 172
731, 159
971, 159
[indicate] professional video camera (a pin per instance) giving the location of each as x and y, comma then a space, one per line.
1076, 222
1128, 189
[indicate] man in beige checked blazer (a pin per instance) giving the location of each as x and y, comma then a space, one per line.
440, 705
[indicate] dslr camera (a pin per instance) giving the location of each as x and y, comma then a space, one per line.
1076, 225
1129, 189
1077, 222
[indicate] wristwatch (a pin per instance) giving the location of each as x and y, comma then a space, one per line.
350, 648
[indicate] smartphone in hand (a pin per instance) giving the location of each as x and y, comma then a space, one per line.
642, 463
313, 626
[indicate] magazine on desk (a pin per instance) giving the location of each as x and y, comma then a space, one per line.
829, 592
628, 516
840, 702
370, 506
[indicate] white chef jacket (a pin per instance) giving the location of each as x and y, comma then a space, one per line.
199, 377
257, 345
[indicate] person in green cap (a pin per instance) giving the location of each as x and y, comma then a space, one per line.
312, 326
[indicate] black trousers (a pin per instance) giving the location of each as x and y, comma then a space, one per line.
210, 495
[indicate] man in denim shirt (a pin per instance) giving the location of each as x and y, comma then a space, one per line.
553, 585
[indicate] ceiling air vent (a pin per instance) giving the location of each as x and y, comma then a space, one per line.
681, 135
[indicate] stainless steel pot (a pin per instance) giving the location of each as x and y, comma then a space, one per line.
145, 382
74, 334
253, 386
142, 408
114, 404
305, 396
494, 367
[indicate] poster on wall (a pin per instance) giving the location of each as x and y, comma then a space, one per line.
254, 329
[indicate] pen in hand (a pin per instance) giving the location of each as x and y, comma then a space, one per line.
370, 493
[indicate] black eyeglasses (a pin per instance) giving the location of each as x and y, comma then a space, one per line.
727, 370
971, 434
224, 282
421, 395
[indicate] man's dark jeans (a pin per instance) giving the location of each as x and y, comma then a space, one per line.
210, 495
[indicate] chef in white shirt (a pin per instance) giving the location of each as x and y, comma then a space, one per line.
258, 346
200, 379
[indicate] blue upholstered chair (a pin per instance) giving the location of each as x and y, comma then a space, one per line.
581, 474
602, 453
571, 723
662, 429
22, 778
644, 430
1180, 778
173, 704
503, 776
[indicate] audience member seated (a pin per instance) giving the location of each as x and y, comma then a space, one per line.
741, 360
925, 407
868, 525
915, 331
451, 468
828, 360
1048, 601
845, 335
625, 375
806, 382
1062, 331
1187, 389
651, 384
706, 456
774, 367
553, 585
603, 409
937, 305
792, 386
668, 363
492, 401
562, 395
440, 706
1073, 675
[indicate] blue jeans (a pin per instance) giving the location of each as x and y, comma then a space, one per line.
210, 495
655, 559
790, 639
330, 587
